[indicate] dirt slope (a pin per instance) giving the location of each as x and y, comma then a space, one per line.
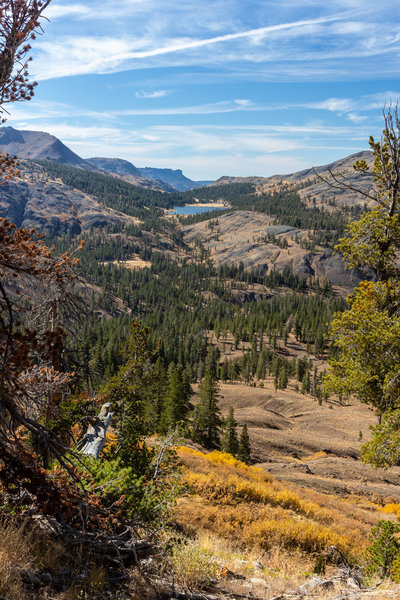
314, 446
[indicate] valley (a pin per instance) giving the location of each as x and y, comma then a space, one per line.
244, 295
199, 300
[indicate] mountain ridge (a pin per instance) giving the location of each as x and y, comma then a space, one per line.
345, 163
39, 145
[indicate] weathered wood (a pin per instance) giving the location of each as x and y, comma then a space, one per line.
112, 548
94, 439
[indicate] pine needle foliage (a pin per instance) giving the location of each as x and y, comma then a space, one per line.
383, 551
230, 441
207, 419
130, 392
366, 337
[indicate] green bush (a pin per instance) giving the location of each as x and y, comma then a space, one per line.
138, 498
382, 556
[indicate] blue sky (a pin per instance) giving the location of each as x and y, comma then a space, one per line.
215, 87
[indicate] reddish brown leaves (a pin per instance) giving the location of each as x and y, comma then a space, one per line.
18, 21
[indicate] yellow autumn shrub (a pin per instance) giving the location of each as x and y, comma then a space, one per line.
393, 508
243, 503
230, 487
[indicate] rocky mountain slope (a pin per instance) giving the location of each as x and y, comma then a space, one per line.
118, 166
243, 236
128, 172
169, 180
34, 200
315, 181
45, 202
38, 145
174, 177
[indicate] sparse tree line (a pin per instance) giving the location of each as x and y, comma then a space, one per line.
170, 299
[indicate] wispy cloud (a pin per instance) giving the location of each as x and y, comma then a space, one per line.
55, 11
339, 105
350, 106
254, 34
347, 107
152, 93
54, 110
209, 151
82, 55
355, 118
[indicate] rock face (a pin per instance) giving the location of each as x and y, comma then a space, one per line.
128, 172
174, 177
52, 207
38, 145
315, 190
115, 165
169, 180
344, 165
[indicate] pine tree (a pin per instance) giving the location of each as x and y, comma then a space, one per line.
207, 420
306, 383
230, 442
212, 361
224, 370
244, 452
153, 408
176, 400
283, 378
130, 391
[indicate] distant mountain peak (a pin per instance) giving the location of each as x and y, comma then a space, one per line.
37, 145
174, 177
119, 166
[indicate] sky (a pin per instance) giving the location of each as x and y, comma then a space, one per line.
215, 87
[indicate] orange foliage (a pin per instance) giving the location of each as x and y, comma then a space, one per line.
33, 295
244, 504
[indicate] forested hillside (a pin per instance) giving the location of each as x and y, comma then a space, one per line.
190, 407
213, 329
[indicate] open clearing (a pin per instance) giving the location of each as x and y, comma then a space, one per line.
311, 445
133, 263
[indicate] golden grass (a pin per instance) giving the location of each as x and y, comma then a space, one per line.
315, 456
207, 556
14, 555
194, 566
243, 503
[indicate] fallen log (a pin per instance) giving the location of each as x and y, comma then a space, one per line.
120, 549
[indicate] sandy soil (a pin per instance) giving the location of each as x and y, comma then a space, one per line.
134, 263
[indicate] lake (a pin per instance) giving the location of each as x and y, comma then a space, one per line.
195, 210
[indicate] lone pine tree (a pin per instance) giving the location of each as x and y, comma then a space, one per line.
176, 400
207, 419
230, 442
